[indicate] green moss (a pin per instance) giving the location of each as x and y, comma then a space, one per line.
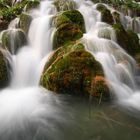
66, 33
69, 27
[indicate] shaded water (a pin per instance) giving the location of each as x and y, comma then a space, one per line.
28, 112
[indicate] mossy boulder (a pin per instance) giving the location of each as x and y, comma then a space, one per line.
4, 70
13, 39
25, 21
70, 70
128, 40
70, 27
71, 16
106, 15
64, 5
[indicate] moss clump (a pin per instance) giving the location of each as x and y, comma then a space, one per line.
25, 21
4, 70
69, 27
71, 70
106, 15
12, 40
128, 40
64, 5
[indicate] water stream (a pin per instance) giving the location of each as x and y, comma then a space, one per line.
29, 112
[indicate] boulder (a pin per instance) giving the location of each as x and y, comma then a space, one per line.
72, 70
13, 39
69, 27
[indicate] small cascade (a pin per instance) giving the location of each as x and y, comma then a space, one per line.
119, 67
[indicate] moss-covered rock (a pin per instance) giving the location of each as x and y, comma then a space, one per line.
31, 5
70, 27
4, 70
64, 5
106, 15
25, 21
72, 16
12, 40
128, 40
71, 70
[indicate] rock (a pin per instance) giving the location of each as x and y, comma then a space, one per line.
3, 25
13, 39
100, 88
69, 27
106, 15
4, 70
64, 5
70, 70
25, 21
128, 40
116, 17
31, 5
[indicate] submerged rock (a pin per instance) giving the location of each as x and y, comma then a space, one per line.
63, 5
106, 15
128, 40
70, 27
71, 70
25, 21
4, 70
13, 39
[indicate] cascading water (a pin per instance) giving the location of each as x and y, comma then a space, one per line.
118, 66
27, 112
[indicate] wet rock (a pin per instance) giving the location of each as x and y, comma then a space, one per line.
73, 70
3, 25
25, 21
64, 5
128, 40
4, 70
13, 39
106, 15
116, 17
69, 27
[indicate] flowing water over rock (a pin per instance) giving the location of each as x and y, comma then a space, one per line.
28, 112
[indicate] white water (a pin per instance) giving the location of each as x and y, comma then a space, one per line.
118, 66
24, 103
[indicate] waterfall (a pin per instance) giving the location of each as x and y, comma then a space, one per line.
119, 67
27, 108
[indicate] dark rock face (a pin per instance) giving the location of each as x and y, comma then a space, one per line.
4, 70
128, 40
106, 15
